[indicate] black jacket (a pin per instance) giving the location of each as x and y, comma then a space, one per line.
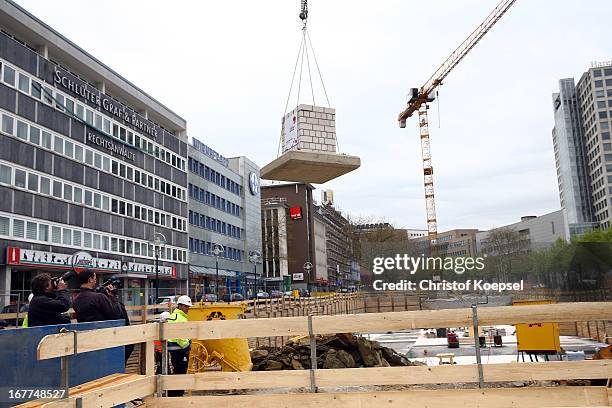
47, 309
92, 306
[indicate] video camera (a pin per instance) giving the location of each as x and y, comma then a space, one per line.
65, 277
113, 280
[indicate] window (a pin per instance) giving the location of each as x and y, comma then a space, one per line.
598, 83
80, 111
31, 230
78, 195
57, 189
105, 203
106, 164
4, 225
105, 245
43, 232
7, 123
603, 115
88, 198
45, 186
58, 145
67, 236
20, 178
69, 148
67, 192
114, 244
18, 228
22, 130
34, 135
5, 174
76, 238
35, 90
89, 157
9, 75
56, 235
87, 240
97, 161
46, 140
24, 83
32, 182
96, 241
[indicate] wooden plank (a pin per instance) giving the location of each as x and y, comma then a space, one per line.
57, 345
462, 398
111, 395
390, 321
557, 370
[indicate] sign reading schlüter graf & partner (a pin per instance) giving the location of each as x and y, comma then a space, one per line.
93, 96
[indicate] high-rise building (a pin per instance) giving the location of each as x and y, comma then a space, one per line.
88, 162
583, 149
595, 100
570, 159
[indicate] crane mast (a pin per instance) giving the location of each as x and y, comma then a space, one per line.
421, 97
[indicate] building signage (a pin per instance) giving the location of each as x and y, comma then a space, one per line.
601, 64
254, 183
29, 257
93, 96
115, 147
290, 130
295, 213
209, 152
298, 276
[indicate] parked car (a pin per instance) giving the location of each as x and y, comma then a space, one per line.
235, 297
12, 308
276, 294
261, 295
289, 293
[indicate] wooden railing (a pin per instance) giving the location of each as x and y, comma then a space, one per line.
58, 345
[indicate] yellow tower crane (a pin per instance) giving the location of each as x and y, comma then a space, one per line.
421, 97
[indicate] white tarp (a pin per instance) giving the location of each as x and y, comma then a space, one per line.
290, 130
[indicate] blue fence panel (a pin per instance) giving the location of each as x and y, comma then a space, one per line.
20, 368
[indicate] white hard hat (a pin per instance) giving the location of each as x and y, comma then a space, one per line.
184, 300
164, 316
30, 297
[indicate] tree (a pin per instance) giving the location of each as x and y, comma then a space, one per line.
505, 249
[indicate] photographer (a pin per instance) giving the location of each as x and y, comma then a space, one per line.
93, 306
49, 302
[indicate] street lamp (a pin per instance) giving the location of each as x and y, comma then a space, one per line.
254, 257
159, 242
216, 251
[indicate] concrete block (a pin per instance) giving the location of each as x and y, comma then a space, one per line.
305, 107
318, 115
306, 126
329, 129
332, 123
329, 110
318, 109
318, 127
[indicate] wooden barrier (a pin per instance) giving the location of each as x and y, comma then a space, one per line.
446, 374
62, 344
463, 398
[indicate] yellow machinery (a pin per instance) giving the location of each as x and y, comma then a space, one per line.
540, 338
230, 354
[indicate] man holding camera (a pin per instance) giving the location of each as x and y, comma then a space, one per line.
93, 306
50, 300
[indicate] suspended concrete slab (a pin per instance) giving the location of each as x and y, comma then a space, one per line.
309, 167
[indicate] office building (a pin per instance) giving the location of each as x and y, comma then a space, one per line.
533, 233
595, 99
288, 237
452, 243
570, 159
583, 148
224, 211
88, 162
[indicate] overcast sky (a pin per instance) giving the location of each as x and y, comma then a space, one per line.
226, 66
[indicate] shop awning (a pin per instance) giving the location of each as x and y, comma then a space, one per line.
203, 270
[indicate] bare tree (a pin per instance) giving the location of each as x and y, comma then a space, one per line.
503, 246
